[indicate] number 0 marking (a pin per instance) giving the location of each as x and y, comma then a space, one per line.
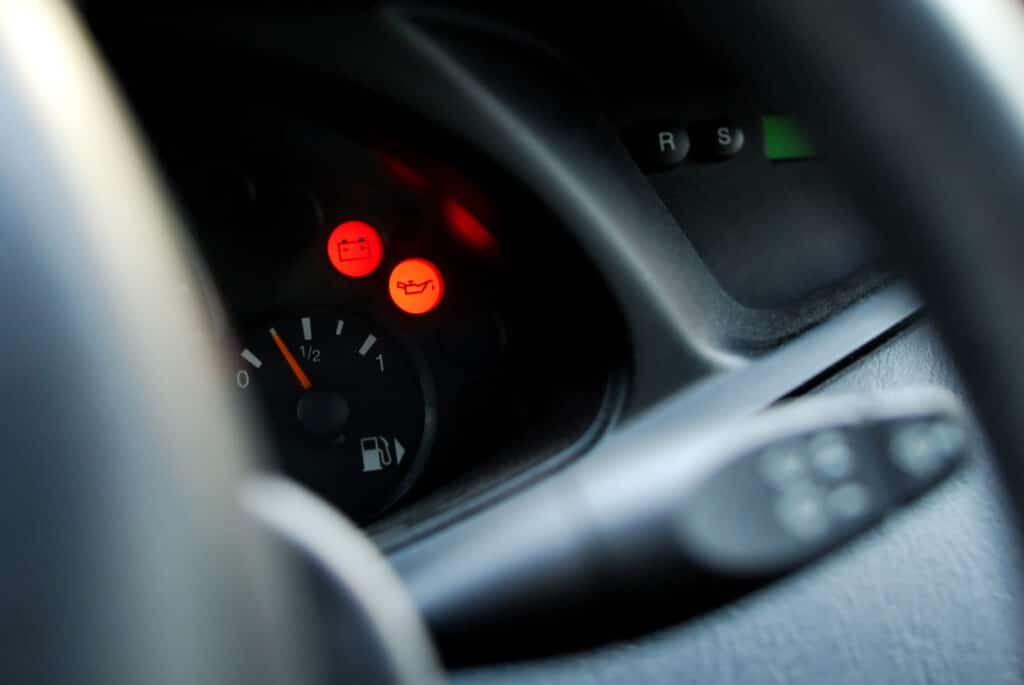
242, 378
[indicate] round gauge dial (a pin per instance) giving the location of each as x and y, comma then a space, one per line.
350, 407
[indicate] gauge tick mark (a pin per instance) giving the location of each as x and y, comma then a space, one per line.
248, 356
367, 344
307, 328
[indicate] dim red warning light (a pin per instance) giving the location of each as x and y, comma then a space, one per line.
416, 286
355, 249
469, 230
404, 173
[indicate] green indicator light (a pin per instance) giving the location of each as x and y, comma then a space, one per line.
784, 139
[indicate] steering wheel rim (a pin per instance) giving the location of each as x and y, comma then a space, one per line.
80, 503
131, 557
118, 472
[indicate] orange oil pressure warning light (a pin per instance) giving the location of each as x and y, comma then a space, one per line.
416, 286
355, 249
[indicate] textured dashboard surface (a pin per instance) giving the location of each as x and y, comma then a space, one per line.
932, 596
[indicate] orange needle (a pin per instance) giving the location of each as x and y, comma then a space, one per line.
300, 375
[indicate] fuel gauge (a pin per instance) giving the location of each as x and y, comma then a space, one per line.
350, 406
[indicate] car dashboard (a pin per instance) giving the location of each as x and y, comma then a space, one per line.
420, 328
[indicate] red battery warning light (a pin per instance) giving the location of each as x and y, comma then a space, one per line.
355, 249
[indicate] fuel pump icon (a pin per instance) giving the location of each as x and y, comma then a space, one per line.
376, 452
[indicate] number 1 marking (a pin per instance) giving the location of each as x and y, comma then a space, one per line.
380, 360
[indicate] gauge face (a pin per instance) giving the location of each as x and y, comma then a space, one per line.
349, 406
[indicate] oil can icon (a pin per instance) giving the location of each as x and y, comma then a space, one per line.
413, 288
